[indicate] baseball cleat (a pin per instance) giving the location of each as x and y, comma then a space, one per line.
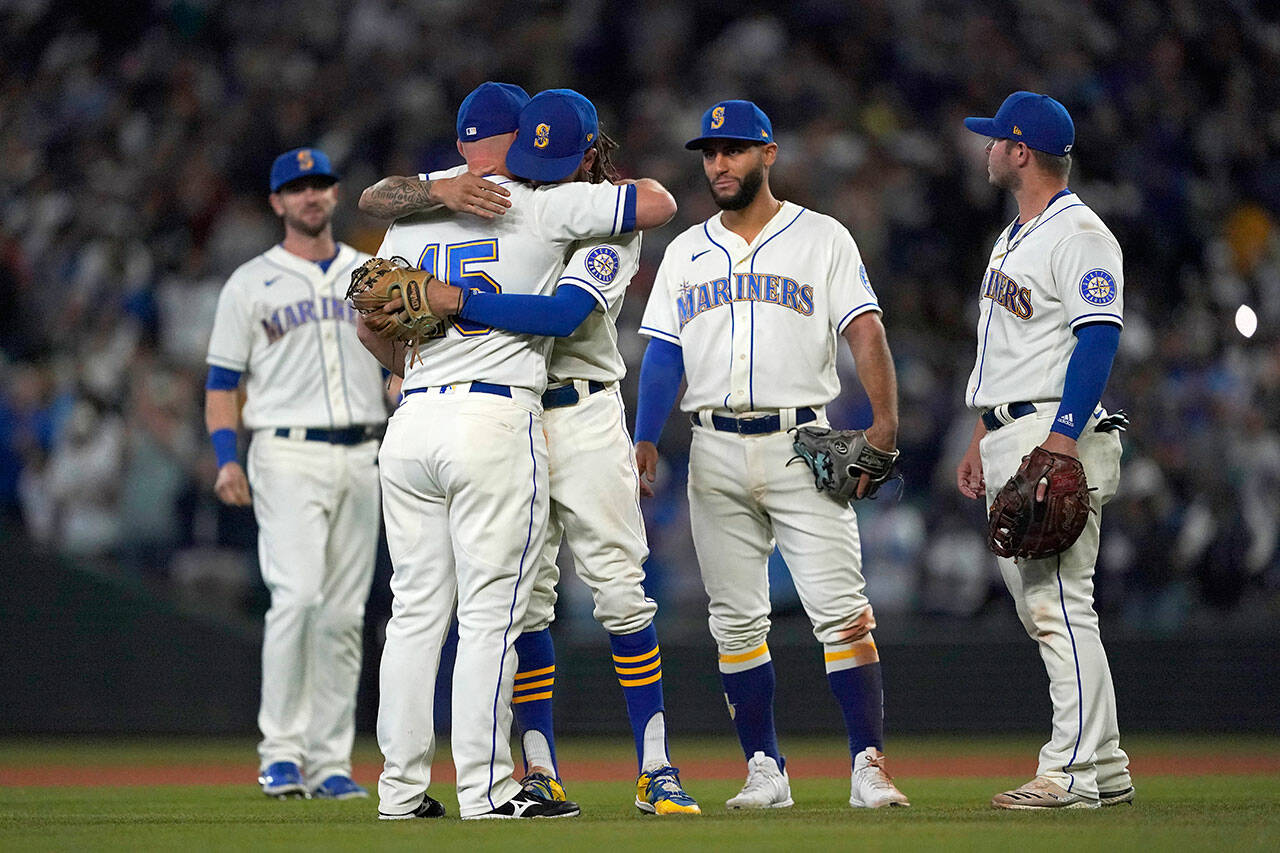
339, 787
1116, 798
870, 785
767, 786
543, 787
282, 779
525, 805
429, 808
659, 792
1042, 793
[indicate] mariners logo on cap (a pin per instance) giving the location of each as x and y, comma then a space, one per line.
603, 264
1098, 287
305, 161
1017, 131
717, 118
542, 135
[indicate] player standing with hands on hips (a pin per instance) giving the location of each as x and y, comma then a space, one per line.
1050, 314
316, 407
750, 307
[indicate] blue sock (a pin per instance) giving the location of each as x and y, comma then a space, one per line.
860, 693
750, 696
637, 660
531, 700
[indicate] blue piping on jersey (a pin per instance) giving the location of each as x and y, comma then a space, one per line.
511, 618
323, 371
848, 318
660, 335
629, 209
751, 369
342, 361
1116, 317
982, 359
574, 281
732, 324
1079, 687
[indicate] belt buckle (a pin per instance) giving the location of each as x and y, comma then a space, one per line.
750, 421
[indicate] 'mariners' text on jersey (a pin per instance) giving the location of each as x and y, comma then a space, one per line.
283, 319
744, 287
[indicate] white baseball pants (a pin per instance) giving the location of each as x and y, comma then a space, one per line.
1054, 598
317, 511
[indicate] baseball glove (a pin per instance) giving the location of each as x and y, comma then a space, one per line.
839, 458
1021, 526
378, 281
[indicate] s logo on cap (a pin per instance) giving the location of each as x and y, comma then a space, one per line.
717, 118
542, 136
305, 161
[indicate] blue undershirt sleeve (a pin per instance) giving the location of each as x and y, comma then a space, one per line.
1087, 374
222, 379
660, 375
558, 315
629, 210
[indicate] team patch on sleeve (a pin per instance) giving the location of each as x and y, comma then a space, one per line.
866, 282
602, 262
1098, 287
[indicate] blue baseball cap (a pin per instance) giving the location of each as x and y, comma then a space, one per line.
300, 163
490, 109
556, 129
733, 120
1037, 120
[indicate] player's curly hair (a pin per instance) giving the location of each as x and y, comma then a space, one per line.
603, 170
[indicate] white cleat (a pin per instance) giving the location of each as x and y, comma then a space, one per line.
767, 786
1041, 793
871, 786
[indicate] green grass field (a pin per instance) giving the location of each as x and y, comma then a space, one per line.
1214, 809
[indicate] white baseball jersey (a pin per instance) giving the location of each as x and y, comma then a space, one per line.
603, 269
286, 323
522, 251
1060, 270
759, 323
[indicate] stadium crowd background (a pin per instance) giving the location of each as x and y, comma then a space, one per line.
135, 142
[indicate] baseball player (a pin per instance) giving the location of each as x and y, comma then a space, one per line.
750, 306
464, 465
594, 488
1050, 312
316, 408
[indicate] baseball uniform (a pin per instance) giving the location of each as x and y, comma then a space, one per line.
1050, 311
315, 406
464, 475
1060, 271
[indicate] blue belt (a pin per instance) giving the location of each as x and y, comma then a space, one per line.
758, 425
1016, 410
567, 395
347, 435
481, 387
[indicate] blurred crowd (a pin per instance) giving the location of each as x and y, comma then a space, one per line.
136, 137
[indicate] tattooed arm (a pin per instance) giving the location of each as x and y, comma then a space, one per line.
397, 196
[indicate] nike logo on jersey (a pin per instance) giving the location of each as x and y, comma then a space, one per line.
270, 281
744, 287
699, 254
1006, 293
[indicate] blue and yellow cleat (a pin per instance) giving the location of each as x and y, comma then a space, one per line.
659, 792
540, 786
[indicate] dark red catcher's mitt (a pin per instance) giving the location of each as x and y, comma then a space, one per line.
1020, 526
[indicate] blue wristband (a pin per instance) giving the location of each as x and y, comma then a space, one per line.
224, 445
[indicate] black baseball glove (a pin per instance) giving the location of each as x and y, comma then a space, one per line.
839, 458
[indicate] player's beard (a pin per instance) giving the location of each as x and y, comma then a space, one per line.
748, 189
310, 227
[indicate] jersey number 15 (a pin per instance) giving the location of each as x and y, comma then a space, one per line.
457, 260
